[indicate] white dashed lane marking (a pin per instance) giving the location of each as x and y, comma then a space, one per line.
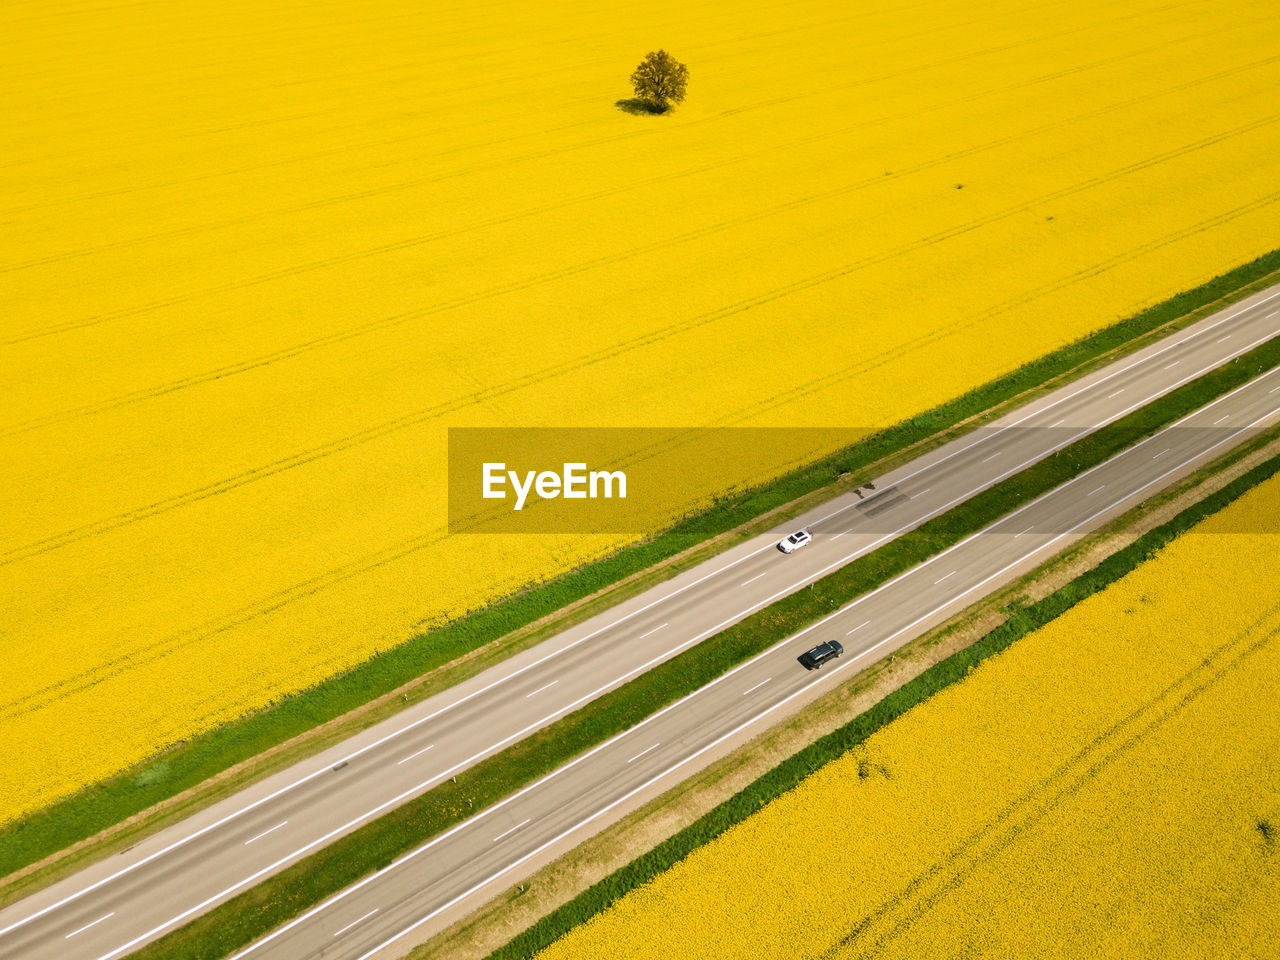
265, 832
545, 686
354, 922
418, 754
88, 925
507, 833
757, 686
643, 752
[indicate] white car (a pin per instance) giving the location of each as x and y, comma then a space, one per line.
794, 542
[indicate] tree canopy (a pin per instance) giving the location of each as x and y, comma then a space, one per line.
660, 80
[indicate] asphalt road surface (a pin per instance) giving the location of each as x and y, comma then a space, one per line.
113, 907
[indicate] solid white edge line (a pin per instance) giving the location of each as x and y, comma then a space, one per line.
328, 765
1041, 547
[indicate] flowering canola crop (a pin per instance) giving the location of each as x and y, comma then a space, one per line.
257, 257
1107, 786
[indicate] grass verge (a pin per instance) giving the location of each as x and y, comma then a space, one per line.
800, 765
376, 844
198, 772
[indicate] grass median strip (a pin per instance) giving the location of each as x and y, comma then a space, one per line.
791, 772
376, 844
39, 836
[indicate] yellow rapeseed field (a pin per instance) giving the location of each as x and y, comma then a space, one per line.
257, 257
1108, 786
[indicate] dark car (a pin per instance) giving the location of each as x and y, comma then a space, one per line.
813, 659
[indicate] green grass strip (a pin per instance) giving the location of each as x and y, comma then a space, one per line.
32, 838
373, 846
799, 766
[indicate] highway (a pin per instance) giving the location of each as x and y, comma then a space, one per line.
115, 906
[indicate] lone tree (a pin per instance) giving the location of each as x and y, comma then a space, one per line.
660, 80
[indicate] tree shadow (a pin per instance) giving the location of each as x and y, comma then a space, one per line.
639, 108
